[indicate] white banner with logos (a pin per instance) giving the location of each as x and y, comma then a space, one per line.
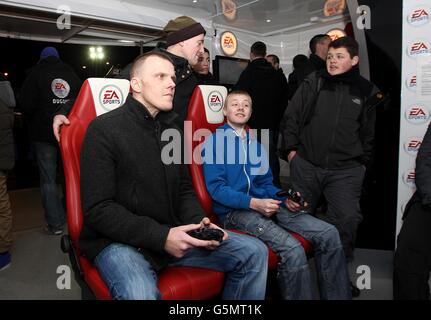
415, 94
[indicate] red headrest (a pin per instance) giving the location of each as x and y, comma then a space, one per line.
97, 96
205, 112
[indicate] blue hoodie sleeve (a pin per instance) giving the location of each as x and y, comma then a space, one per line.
216, 178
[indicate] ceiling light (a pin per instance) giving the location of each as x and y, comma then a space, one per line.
268, 20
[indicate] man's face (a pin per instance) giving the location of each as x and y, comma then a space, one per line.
203, 64
271, 60
193, 48
339, 61
156, 83
322, 47
237, 109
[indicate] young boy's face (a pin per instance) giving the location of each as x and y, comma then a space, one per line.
237, 109
339, 61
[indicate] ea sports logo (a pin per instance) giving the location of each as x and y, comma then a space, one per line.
228, 43
411, 82
417, 114
418, 48
412, 145
60, 88
110, 97
409, 178
215, 101
419, 16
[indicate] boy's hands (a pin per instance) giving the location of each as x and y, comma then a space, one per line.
267, 207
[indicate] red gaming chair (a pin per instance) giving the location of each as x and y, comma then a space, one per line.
96, 97
205, 111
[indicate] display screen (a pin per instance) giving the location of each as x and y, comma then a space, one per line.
227, 69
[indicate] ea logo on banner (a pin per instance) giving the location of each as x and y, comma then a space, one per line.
411, 82
110, 97
409, 178
412, 145
228, 43
60, 88
417, 114
419, 16
215, 101
418, 48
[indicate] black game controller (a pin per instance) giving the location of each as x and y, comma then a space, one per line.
207, 234
292, 195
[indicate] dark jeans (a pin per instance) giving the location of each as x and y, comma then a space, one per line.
342, 191
47, 155
293, 271
412, 262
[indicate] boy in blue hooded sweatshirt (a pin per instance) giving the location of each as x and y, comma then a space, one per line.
239, 180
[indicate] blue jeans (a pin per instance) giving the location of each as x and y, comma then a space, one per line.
129, 276
47, 157
293, 271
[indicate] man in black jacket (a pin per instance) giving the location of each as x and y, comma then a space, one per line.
412, 262
138, 209
7, 159
184, 45
48, 86
329, 132
317, 61
268, 90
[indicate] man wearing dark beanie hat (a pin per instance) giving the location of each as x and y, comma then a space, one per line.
184, 45
182, 28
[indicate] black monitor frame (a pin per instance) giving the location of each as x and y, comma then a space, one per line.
216, 70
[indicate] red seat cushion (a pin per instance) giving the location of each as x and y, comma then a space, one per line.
175, 283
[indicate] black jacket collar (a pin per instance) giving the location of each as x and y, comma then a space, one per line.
141, 112
318, 62
261, 62
352, 78
179, 62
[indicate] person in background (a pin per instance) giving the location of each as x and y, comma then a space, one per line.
299, 62
275, 62
7, 159
49, 85
319, 50
412, 261
202, 69
268, 90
